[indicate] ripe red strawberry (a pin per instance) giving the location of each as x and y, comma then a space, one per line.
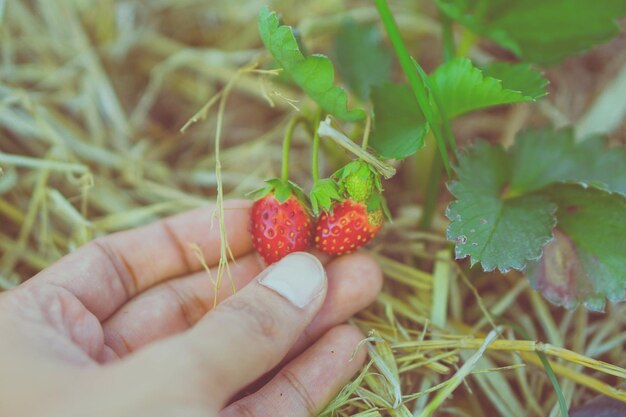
279, 229
347, 227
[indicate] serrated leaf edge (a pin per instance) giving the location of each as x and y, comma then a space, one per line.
502, 269
271, 19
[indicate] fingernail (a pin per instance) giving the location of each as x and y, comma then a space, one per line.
298, 277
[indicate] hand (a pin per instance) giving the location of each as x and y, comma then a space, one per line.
124, 326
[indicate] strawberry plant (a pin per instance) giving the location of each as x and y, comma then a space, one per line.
550, 205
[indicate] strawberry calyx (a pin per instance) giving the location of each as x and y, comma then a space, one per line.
377, 206
322, 195
358, 180
282, 190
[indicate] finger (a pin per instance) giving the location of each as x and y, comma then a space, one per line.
354, 281
308, 383
172, 307
109, 271
246, 335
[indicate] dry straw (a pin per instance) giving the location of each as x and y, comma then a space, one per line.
93, 95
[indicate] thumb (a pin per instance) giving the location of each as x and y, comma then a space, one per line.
248, 334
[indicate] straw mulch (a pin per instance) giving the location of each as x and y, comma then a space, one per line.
93, 94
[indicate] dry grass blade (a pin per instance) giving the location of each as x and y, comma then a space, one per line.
458, 378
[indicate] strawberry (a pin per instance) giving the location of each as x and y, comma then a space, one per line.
348, 226
359, 180
280, 222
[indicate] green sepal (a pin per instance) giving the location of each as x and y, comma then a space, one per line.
358, 180
378, 202
282, 191
323, 194
299, 193
261, 192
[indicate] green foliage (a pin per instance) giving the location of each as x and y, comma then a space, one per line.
543, 157
500, 233
463, 87
509, 202
314, 74
539, 31
400, 126
586, 261
362, 60
322, 195
518, 77
413, 74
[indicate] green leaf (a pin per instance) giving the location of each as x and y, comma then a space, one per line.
314, 74
323, 194
464, 88
362, 60
600, 166
399, 127
518, 77
543, 157
499, 233
586, 261
509, 203
539, 31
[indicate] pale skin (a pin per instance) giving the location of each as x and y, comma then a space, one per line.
125, 326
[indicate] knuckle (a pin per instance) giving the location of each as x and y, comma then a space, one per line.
239, 409
177, 245
260, 321
191, 306
298, 390
114, 264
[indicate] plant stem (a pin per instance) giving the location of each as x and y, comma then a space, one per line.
406, 62
315, 169
291, 126
432, 193
449, 49
366, 133
434, 177
466, 43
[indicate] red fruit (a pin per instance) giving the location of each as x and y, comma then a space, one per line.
347, 227
280, 228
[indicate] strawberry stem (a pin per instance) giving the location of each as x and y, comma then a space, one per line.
366, 132
315, 169
291, 126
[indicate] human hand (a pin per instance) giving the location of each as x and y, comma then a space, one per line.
124, 326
